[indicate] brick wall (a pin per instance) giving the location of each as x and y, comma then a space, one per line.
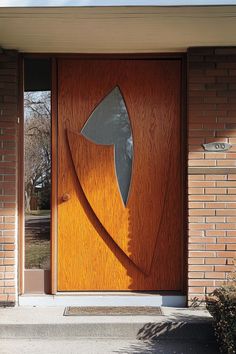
212, 176
8, 161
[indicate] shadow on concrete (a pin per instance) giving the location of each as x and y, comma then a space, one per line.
181, 334
170, 347
176, 331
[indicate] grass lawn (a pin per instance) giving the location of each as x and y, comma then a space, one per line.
37, 255
37, 240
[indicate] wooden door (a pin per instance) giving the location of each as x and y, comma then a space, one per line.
104, 241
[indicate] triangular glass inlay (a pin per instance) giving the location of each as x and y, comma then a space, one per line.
109, 124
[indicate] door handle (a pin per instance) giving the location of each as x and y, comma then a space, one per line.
65, 197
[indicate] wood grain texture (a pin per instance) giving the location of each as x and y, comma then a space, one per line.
101, 244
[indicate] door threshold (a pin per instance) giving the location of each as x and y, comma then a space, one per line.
103, 299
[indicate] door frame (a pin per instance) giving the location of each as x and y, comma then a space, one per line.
54, 141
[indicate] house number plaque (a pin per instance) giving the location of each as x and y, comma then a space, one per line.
216, 147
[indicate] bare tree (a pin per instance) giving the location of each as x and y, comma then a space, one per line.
37, 143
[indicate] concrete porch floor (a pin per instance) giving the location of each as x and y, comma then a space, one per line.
45, 329
36, 315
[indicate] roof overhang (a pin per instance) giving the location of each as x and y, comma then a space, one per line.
116, 29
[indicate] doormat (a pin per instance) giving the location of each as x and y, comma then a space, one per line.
112, 311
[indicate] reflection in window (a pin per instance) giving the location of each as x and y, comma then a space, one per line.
37, 150
109, 124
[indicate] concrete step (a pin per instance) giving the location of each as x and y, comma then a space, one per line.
37, 322
165, 330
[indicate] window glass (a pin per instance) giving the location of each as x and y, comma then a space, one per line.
37, 164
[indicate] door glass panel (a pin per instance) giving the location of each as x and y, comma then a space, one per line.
109, 124
37, 163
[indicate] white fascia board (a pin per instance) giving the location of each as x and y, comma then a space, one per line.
97, 3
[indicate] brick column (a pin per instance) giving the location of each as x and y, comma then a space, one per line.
8, 175
212, 175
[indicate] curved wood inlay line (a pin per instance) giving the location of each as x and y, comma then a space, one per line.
165, 194
73, 140
94, 166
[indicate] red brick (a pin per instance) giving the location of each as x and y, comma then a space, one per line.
196, 233
202, 240
196, 247
217, 205
196, 177
196, 290
201, 282
196, 260
221, 140
226, 254
224, 268
195, 205
230, 205
217, 247
215, 233
231, 190
8, 261
3, 297
216, 72
8, 169
231, 233
226, 240
11, 298
226, 226
201, 80
203, 212
8, 290
202, 226
203, 254
231, 247
206, 198
196, 219
196, 190
232, 177
227, 162
201, 268
231, 260
215, 219
9, 247
202, 184
226, 198
196, 275
216, 155
196, 155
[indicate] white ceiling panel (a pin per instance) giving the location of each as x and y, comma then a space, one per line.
116, 29
82, 3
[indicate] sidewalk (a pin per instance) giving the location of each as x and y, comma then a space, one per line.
103, 346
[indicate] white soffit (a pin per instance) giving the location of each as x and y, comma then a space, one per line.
116, 29
82, 3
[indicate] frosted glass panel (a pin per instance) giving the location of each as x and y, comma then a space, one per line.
109, 124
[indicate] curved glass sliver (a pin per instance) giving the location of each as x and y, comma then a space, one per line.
109, 124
